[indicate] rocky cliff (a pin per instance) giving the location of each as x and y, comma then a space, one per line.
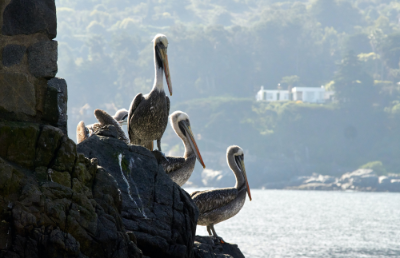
161, 215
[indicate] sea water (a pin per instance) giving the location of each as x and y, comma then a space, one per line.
283, 223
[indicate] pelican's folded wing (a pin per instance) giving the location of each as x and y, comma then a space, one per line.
213, 199
135, 103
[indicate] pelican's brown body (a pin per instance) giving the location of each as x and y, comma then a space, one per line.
149, 118
219, 205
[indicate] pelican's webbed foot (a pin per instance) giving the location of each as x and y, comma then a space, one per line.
217, 239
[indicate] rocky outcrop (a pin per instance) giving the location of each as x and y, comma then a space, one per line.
211, 247
55, 202
160, 214
359, 180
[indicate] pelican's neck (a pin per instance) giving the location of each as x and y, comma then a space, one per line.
158, 79
188, 148
238, 173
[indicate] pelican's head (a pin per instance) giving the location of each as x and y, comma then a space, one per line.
121, 116
181, 125
237, 153
160, 42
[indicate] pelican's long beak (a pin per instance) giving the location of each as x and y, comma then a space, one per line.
122, 122
193, 144
245, 177
164, 58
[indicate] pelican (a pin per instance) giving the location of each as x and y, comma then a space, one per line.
179, 169
148, 114
121, 116
83, 132
222, 204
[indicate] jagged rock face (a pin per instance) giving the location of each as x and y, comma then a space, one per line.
210, 247
28, 17
42, 59
54, 202
12, 54
161, 214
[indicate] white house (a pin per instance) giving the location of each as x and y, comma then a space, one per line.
305, 94
272, 95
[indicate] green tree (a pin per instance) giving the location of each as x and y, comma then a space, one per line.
353, 86
338, 14
290, 80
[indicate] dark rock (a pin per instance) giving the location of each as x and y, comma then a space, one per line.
366, 181
9, 178
51, 113
161, 215
18, 142
58, 110
42, 59
49, 219
109, 131
211, 247
41, 174
30, 16
65, 158
394, 185
12, 54
17, 93
62, 178
48, 143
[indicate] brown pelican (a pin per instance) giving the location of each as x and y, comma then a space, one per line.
83, 132
221, 204
148, 114
179, 169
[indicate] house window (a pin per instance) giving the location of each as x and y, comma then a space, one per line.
270, 96
264, 96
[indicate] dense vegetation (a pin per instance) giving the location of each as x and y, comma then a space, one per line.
221, 52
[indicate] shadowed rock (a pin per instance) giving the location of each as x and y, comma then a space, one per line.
17, 93
159, 213
73, 211
30, 16
42, 59
211, 247
12, 54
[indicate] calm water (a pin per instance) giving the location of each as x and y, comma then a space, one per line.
280, 223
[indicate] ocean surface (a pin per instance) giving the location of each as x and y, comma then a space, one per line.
283, 223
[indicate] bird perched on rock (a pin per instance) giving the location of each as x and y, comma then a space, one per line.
222, 204
148, 114
83, 132
179, 169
